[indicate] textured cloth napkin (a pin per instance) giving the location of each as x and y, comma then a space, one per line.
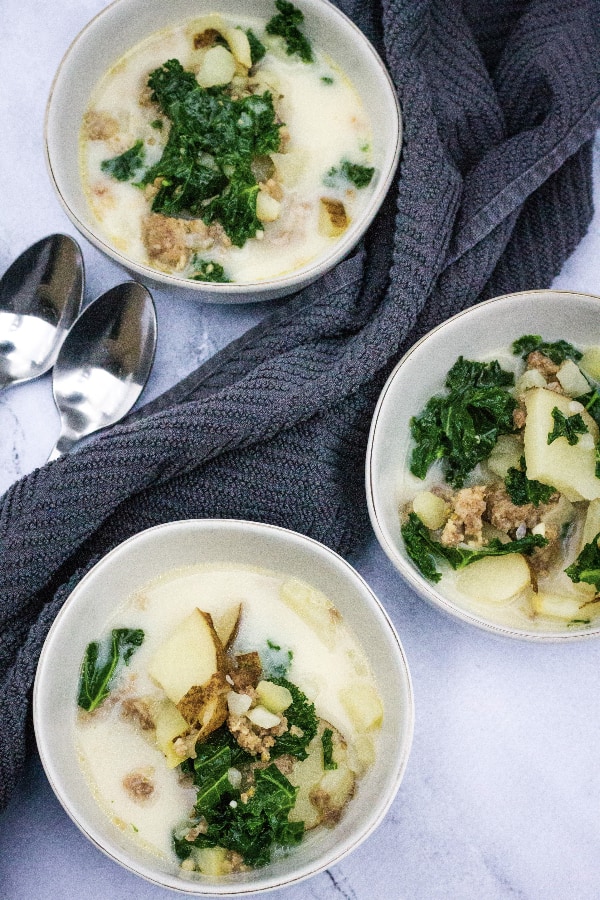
500, 101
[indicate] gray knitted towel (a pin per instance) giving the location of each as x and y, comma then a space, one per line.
500, 101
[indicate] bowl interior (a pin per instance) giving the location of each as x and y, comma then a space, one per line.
133, 564
126, 22
482, 331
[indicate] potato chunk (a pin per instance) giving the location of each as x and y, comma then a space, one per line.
322, 793
570, 468
189, 657
494, 579
363, 704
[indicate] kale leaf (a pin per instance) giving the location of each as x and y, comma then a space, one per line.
301, 714
327, 742
257, 48
206, 166
424, 550
523, 490
251, 828
587, 565
125, 166
359, 176
569, 427
285, 25
462, 427
100, 664
557, 351
206, 270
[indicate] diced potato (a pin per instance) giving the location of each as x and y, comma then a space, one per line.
590, 362
571, 469
363, 704
274, 697
313, 607
218, 67
322, 793
211, 860
572, 381
494, 579
170, 725
189, 656
505, 455
267, 208
562, 606
204, 706
290, 166
239, 46
361, 754
529, 379
333, 219
197, 27
431, 509
591, 525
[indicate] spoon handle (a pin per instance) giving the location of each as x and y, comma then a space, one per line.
63, 444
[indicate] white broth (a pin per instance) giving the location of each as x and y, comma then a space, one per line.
280, 616
325, 127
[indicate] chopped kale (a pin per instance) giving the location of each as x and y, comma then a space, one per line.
424, 550
125, 166
569, 427
462, 427
253, 827
587, 565
206, 166
326, 79
421, 547
301, 714
327, 742
250, 826
523, 490
358, 175
276, 661
206, 270
285, 24
158, 124
100, 664
557, 351
257, 48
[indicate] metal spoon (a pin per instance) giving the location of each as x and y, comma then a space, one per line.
104, 362
40, 296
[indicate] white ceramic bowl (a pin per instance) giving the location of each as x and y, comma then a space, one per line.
126, 22
144, 557
481, 330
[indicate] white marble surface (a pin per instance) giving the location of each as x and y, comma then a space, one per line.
501, 798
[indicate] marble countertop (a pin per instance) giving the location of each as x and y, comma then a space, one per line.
501, 796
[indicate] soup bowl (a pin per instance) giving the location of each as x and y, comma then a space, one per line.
125, 23
175, 546
483, 332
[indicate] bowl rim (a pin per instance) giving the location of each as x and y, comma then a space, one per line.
282, 285
418, 582
268, 883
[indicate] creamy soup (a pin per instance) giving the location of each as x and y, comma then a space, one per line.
225, 201
218, 653
500, 499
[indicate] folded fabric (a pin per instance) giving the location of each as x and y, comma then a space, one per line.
500, 101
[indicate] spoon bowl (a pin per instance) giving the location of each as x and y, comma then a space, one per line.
104, 362
40, 297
